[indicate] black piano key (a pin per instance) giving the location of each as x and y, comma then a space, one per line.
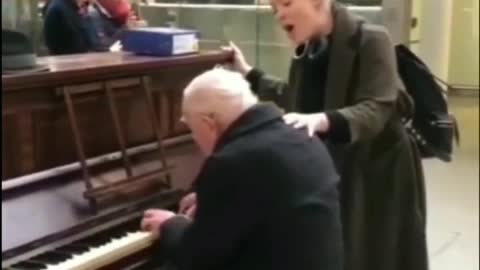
74, 249
26, 265
51, 257
133, 227
118, 234
59, 254
96, 240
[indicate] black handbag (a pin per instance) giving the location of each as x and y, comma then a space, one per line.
432, 126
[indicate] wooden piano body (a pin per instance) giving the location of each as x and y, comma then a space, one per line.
48, 221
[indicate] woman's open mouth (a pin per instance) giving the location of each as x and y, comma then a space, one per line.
288, 28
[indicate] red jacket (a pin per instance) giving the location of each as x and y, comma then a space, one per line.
118, 10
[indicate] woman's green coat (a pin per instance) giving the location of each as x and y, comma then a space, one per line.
383, 195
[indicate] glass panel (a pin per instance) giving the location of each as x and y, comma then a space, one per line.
251, 26
253, 2
249, 23
24, 16
275, 50
217, 23
362, 2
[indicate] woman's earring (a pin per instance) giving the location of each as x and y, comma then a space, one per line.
301, 51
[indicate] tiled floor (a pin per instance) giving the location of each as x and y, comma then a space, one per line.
453, 194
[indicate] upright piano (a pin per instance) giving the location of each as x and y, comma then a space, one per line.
88, 144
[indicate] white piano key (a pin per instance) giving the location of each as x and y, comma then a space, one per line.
107, 253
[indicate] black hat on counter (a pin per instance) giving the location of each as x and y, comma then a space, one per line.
18, 53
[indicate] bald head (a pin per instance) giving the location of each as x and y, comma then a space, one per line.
220, 93
211, 102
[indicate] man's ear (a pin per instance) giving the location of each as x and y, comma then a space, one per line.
209, 120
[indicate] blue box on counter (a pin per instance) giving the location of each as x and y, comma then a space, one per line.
158, 41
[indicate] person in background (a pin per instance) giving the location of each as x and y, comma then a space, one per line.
108, 19
65, 27
267, 194
81, 26
344, 87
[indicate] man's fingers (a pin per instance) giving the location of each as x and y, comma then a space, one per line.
189, 212
145, 225
187, 201
148, 213
183, 208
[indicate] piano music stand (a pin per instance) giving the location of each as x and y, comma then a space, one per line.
93, 194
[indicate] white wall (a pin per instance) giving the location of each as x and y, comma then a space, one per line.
435, 33
464, 45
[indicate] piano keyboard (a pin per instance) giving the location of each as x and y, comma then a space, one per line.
108, 253
91, 253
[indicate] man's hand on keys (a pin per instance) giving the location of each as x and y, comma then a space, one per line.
153, 220
188, 205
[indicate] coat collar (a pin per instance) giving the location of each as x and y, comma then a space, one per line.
252, 119
342, 56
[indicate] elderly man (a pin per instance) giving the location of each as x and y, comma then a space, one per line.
266, 195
